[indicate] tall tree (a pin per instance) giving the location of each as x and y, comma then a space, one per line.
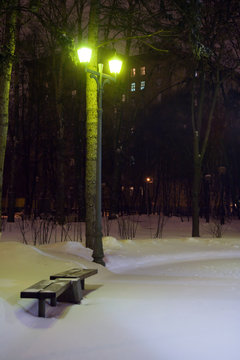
93, 234
57, 23
204, 28
13, 128
6, 63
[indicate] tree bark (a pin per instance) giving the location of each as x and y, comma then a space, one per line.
60, 193
14, 129
196, 186
5, 79
93, 238
199, 151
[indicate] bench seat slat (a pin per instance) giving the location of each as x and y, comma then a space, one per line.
75, 273
46, 289
33, 290
57, 287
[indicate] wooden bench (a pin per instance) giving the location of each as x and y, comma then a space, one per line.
65, 286
62, 289
79, 273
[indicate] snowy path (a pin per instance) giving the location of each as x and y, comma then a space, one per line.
158, 302
189, 305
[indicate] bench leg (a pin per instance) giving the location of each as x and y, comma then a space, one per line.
41, 308
83, 284
53, 301
73, 294
77, 291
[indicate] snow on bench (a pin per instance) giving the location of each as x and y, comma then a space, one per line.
79, 273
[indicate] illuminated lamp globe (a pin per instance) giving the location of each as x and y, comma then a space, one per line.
115, 65
84, 54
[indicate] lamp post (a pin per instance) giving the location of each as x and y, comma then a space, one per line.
148, 181
101, 79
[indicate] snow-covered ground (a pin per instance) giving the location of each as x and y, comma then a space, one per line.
175, 298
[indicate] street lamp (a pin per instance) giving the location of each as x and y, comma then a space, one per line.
148, 181
101, 79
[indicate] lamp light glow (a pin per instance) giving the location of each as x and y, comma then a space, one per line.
149, 180
115, 65
84, 54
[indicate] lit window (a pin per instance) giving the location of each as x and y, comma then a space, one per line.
131, 190
142, 86
123, 97
143, 70
133, 86
133, 72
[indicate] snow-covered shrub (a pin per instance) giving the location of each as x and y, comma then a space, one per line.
106, 225
127, 227
110, 242
162, 220
216, 228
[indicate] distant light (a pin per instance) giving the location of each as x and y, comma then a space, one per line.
115, 65
133, 86
143, 70
149, 180
84, 54
142, 86
133, 72
208, 177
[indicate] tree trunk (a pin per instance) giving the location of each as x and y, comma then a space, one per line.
93, 238
196, 187
5, 79
60, 191
11, 188
79, 151
200, 153
14, 130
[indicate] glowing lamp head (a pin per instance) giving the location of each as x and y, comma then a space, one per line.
84, 54
115, 65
